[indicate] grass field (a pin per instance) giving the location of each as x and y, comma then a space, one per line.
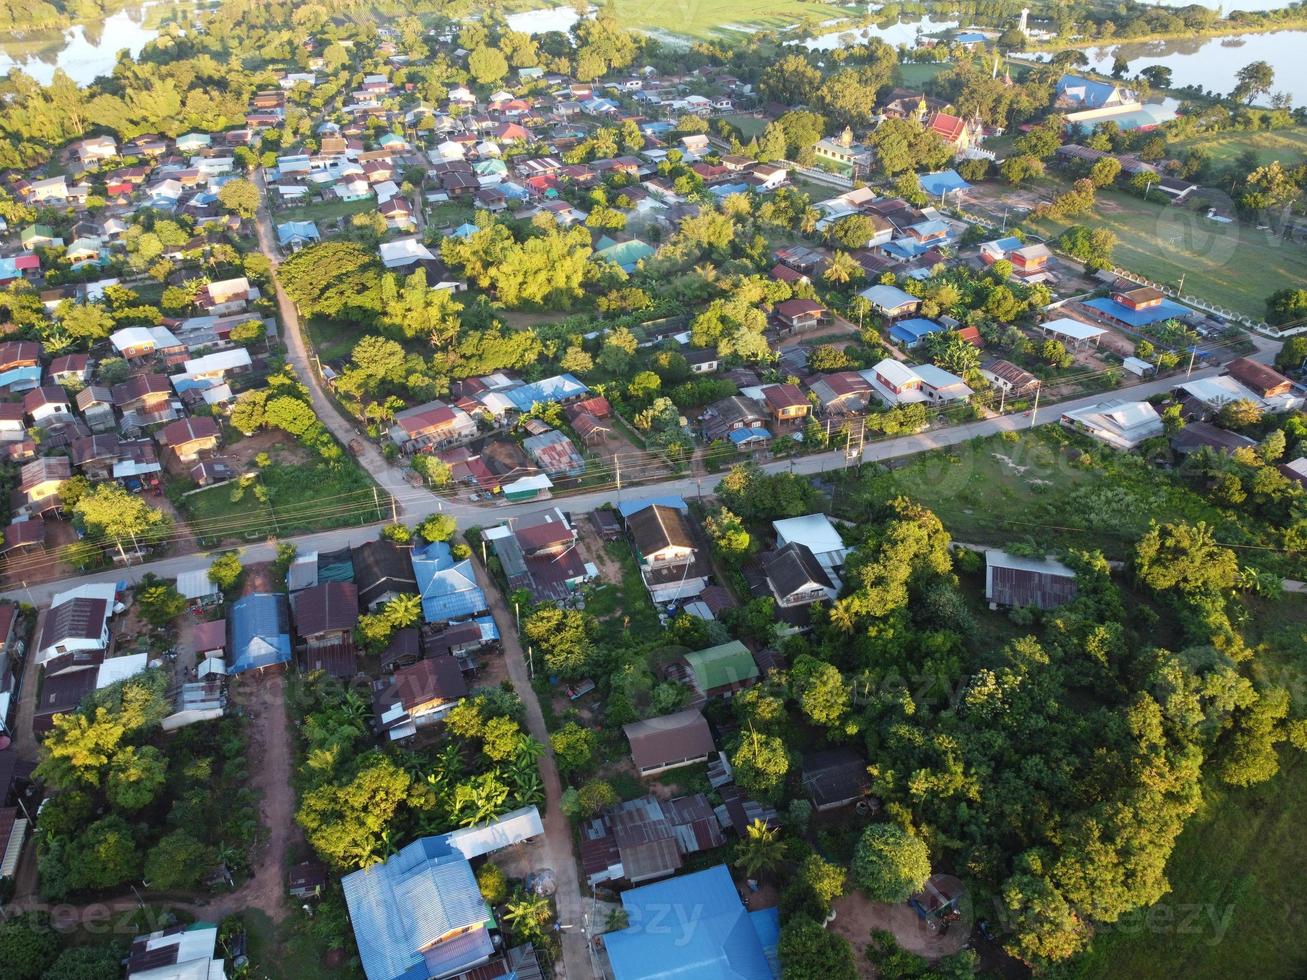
749, 125
996, 491
332, 339
302, 497
1289, 146
1230, 912
1232, 265
324, 212
917, 75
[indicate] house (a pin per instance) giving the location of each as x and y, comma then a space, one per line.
95, 402
665, 550
78, 625
226, 296
143, 395
645, 839
433, 424
589, 429
833, 778
417, 696
95, 455
1137, 307
20, 354
1118, 423
561, 388
48, 405
720, 671
325, 616
911, 332
404, 252
890, 301
726, 940
382, 570
96, 149
258, 627
940, 386
448, 587
894, 382
1198, 434
786, 403
1015, 582
13, 423
187, 952
419, 913
1010, 379
306, 880
134, 342
702, 361
659, 744
1267, 383
39, 482
730, 414
842, 393
799, 314
795, 578
554, 453
294, 235
625, 255
70, 369
19, 537
189, 437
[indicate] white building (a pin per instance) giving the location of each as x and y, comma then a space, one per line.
1120, 424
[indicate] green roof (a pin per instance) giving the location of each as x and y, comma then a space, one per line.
721, 666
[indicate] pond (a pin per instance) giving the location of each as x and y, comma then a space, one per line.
85, 51
1212, 62
544, 20
903, 31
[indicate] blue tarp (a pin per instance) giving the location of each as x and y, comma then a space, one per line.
742, 437
401, 907
942, 182
21, 378
260, 632
1165, 310
719, 939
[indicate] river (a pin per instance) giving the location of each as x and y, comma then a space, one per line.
85, 52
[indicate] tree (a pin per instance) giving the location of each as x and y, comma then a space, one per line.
179, 860
1253, 79
890, 865
1285, 306
808, 950
565, 636
595, 796
437, 527
240, 196
225, 571
1054, 353
249, 332
821, 691
1157, 76
104, 855
574, 747
842, 269
346, 822
86, 963
160, 604
28, 946
487, 65
1185, 557
85, 321
435, 471
1242, 413
1016, 170
403, 610
1045, 926
493, 884
761, 850
1105, 171
135, 777
729, 535
113, 512
826, 879
761, 763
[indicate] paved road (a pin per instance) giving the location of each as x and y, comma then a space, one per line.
390, 478
418, 503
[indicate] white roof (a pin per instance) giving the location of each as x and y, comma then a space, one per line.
218, 394
895, 372
540, 482
194, 959
211, 665
937, 377
141, 336
1219, 390
1137, 365
1298, 466
91, 590
496, 402
223, 360
120, 668
511, 828
1048, 566
404, 251
196, 584
1074, 329
813, 530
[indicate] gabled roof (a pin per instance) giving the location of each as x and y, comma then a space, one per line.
794, 569
326, 607
187, 430
720, 666
260, 632
671, 738
657, 527
401, 908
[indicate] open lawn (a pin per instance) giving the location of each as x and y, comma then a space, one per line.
917, 75
1289, 146
301, 497
333, 339
996, 491
697, 18
1229, 912
292, 950
748, 124
1232, 265
324, 212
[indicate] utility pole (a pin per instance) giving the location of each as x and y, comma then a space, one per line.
1035, 411
376, 502
1002, 398
1193, 353
617, 463
1180, 290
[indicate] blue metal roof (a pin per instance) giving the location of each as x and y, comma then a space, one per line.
1009, 244
21, 375
911, 331
553, 389
260, 631
1165, 310
690, 926
943, 181
743, 437
905, 248
1096, 94
291, 230
402, 906
448, 588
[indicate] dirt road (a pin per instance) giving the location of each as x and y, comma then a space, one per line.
558, 831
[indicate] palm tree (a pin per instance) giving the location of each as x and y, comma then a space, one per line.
404, 610
529, 750
842, 268
449, 762
841, 616
761, 850
529, 916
